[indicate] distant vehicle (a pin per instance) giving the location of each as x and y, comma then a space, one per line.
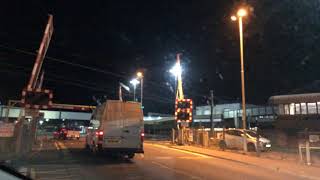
61, 133
73, 133
234, 139
67, 133
117, 129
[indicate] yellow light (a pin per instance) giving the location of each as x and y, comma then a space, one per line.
233, 18
139, 74
242, 12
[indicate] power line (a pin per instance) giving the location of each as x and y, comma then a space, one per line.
94, 69
108, 91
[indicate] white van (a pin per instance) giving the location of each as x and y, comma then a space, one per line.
116, 128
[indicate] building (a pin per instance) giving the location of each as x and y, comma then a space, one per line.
297, 112
230, 115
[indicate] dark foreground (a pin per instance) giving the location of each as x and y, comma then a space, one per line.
68, 160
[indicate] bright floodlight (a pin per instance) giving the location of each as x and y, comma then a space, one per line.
176, 70
134, 82
233, 18
242, 13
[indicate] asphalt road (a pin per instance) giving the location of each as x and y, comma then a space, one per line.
68, 160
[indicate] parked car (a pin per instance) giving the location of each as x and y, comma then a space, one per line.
234, 139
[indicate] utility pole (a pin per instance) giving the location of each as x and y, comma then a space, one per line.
211, 114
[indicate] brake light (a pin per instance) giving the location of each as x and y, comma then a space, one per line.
142, 136
99, 133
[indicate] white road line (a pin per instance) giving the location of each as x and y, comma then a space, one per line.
176, 171
56, 145
62, 146
180, 150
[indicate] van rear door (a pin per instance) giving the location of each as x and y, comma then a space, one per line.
123, 125
132, 125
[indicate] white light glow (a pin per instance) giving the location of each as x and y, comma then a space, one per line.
134, 82
176, 70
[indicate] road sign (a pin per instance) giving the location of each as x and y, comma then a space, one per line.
6, 129
183, 110
37, 99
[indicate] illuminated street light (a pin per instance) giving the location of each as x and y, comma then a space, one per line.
134, 82
242, 13
140, 76
233, 18
176, 70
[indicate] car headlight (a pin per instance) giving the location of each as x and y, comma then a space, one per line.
268, 145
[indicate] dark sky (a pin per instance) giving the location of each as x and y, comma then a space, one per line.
96, 44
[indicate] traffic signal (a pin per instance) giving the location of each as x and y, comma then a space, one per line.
37, 99
183, 110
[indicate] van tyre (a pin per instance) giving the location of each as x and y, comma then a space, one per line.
222, 145
131, 156
87, 147
251, 147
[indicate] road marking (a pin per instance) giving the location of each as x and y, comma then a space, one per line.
56, 145
184, 151
62, 146
189, 157
176, 171
163, 157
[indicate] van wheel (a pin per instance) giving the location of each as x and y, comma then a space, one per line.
222, 145
100, 148
251, 147
130, 156
87, 147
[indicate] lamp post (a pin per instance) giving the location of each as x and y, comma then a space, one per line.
140, 76
134, 83
240, 14
176, 71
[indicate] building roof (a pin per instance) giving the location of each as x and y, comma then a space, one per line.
294, 98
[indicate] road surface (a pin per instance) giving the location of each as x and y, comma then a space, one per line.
68, 160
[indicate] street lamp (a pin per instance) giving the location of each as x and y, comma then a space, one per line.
140, 76
134, 83
240, 14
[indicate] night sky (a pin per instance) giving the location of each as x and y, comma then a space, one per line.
97, 44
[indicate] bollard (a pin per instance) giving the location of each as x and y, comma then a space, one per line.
308, 152
300, 152
205, 139
173, 136
258, 143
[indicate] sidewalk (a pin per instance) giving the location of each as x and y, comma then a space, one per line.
289, 167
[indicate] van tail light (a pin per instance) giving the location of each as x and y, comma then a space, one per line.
142, 136
99, 134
